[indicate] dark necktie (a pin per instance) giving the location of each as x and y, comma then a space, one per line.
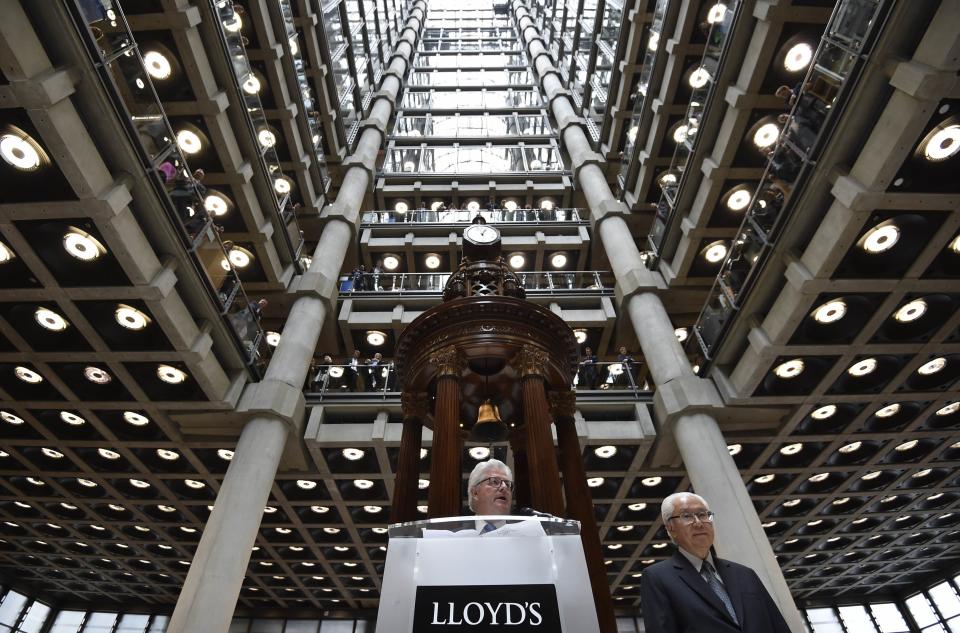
489, 527
708, 574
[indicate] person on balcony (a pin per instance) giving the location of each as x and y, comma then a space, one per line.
374, 367
353, 370
588, 375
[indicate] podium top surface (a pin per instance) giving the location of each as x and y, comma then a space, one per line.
471, 526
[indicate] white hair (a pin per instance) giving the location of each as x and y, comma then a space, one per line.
480, 473
666, 507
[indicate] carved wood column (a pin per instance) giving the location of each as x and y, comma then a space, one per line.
445, 476
580, 505
541, 456
404, 506
521, 471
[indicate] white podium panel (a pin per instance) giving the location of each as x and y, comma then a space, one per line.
529, 575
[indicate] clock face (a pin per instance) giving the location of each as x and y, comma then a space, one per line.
481, 234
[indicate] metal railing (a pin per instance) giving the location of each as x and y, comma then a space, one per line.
117, 60
816, 106
442, 215
535, 283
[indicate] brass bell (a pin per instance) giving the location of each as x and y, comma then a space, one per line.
488, 427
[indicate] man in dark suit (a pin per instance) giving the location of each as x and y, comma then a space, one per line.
695, 592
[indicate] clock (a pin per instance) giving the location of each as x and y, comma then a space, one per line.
481, 241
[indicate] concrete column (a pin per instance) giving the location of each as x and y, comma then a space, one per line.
740, 536
661, 349
209, 595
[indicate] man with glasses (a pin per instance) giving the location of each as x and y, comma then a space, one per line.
490, 492
695, 592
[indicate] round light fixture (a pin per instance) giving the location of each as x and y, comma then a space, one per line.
273, 338
391, 262
734, 449
547, 204
136, 419
910, 311
650, 482
189, 142
680, 133
266, 138
6, 254
766, 135
716, 13
932, 367
27, 375
681, 333
715, 252
558, 260
517, 260
738, 199
130, 318
251, 85
652, 43
50, 320
97, 375
581, 335
423, 484
831, 311
170, 375
233, 24
282, 185
765, 479
789, 369
605, 452
10, 418
906, 446
943, 144
595, 482
195, 484
157, 65
824, 412
225, 454
698, 79
954, 246
72, 418
880, 238
791, 449
353, 454
240, 257
637, 507
949, 409
106, 453
798, 57
819, 477
479, 452
306, 484
850, 448
82, 245
376, 338
216, 204
432, 261
139, 483
20, 151
167, 454
52, 454
862, 367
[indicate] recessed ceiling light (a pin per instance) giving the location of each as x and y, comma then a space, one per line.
376, 338
798, 57
906, 446
423, 484
932, 367
880, 238
650, 482
50, 320
251, 85
888, 411
52, 454
157, 65
831, 311
364, 484
195, 484
790, 503
765, 479
791, 449
698, 79
233, 24
27, 375
97, 375
841, 501
6, 254
863, 367
166, 508
273, 338
768, 525
716, 13
954, 246
167, 454
136, 419
20, 151
517, 260
595, 482
139, 483
922, 473
738, 199
944, 144
910, 311
432, 261
949, 409
605, 452
652, 43
130, 318
401, 207
850, 448
824, 412
479, 452
10, 418
189, 142
871, 475
681, 333
306, 484
637, 507
818, 477
766, 135
170, 375
734, 449
266, 138
715, 252
240, 257
216, 204
321, 509
86, 483
789, 369
352, 454
391, 262
82, 245
282, 185
558, 260
106, 453
680, 133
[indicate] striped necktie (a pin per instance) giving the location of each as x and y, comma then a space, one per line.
708, 574
489, 527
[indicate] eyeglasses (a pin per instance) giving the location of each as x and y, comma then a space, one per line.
496, 482
704, 516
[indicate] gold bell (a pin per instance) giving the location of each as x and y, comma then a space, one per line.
488, 427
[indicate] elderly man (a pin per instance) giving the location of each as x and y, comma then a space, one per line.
490, 492
695, 592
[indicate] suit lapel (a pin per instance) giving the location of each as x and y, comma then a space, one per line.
690, 576
726, 572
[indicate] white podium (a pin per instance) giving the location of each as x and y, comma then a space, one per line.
444, 576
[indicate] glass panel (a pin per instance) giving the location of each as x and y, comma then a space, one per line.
889, 618
68, 622
857, 620
159, 624
946, 600
35, 618
921, 610
11, 607
824, 621
100, 623
239, 625
302, 626
133, 623
266, 626
336, 626
954, 625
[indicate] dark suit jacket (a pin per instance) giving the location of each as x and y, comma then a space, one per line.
676, 599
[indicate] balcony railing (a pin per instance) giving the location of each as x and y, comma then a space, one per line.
466, 216
591, 282
837, 63
117, 59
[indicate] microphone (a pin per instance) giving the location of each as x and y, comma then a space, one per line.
530, 512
